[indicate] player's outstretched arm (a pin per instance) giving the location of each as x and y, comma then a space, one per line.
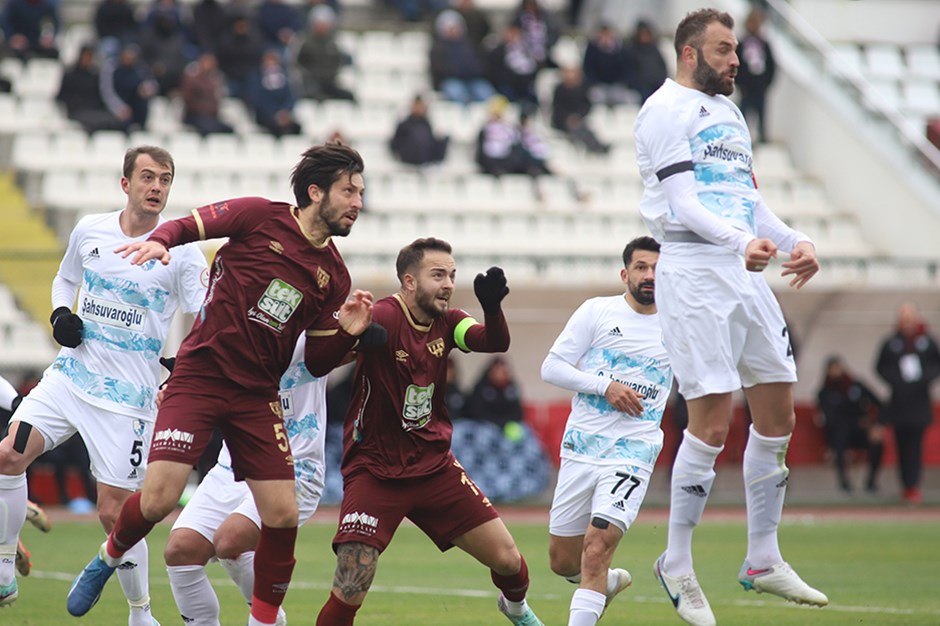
493, 336
144, 251
802, 265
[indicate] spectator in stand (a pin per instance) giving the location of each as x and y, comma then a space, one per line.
455, 398
414, 141
319, 58
909, 362
476, 21
606, 68
498, 151
512, 68
116, 25
165, 48
80, 94
167, 7
535, 150
646, 65
496, 397
412, 10
272, 97
201, 91
127, 88
209, 22
850, 420
457, 70
570, 108
30, 28
756, 72
540, 30
278, 22
239, 56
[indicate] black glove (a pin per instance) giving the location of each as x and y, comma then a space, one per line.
66, 327
373, 336
169, 364
490, 289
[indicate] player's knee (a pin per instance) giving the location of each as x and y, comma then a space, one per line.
156, 506
282, 517
176, 552
562, 563
229, 545
507, 562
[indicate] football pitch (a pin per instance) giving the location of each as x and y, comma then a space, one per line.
874, 572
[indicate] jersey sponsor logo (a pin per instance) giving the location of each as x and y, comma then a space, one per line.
645, 390
323, 278
416, 412
401, 356
114, 314
287, 402
436, 347
278, 301
723, 152
218, 209
359, 524
275, 246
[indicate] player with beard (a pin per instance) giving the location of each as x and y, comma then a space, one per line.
397, 460
279, 275
611, 353
722, 325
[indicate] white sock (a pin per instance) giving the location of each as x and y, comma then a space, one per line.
242, 571
516, 608
765, 485
575, 580
194, 595
252, 621
586, 607
693, 473
12, 518
132, 573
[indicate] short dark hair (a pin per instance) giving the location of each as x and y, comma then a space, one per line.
156, 153
322, 166
690, 30
640, 243
413, 253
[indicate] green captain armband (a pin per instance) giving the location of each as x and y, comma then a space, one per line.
460, 333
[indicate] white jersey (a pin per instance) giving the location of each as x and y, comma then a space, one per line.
606, 340
682, 129
126, 310
303, 399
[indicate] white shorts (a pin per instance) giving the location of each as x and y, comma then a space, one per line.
722, 326
117, 444
219, 495
586, 490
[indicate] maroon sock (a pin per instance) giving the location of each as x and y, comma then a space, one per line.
336, 613
515, 585
274, 563
131, 526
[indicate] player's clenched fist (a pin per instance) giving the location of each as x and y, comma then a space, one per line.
490, 289
66, 327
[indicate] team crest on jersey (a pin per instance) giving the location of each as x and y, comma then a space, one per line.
276, 409
416, 412
276, 247
401, 356
323, 278
436, 347
218, 209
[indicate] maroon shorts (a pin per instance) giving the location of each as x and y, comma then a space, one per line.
251, 425
445, 505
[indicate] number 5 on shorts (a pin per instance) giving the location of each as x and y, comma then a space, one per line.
280, 435
137, 453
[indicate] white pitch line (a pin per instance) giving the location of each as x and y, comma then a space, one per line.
477, 593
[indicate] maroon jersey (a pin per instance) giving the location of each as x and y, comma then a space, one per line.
269, 284
397, 425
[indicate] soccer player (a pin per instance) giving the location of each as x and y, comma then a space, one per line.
221, 520
611, 353
279, 275
397, 460
722, 325
103, 382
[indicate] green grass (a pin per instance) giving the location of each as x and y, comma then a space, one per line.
874, 573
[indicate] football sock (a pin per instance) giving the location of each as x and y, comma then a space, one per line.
131, 526
586, 607
765, 485
274, 563
693, 473
194, 595
515, 585
12, 518
336, 613
242, 571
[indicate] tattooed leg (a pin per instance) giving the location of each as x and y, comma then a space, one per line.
355, 571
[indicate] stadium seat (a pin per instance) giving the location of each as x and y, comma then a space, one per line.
923, 61
884, 61
921, 98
